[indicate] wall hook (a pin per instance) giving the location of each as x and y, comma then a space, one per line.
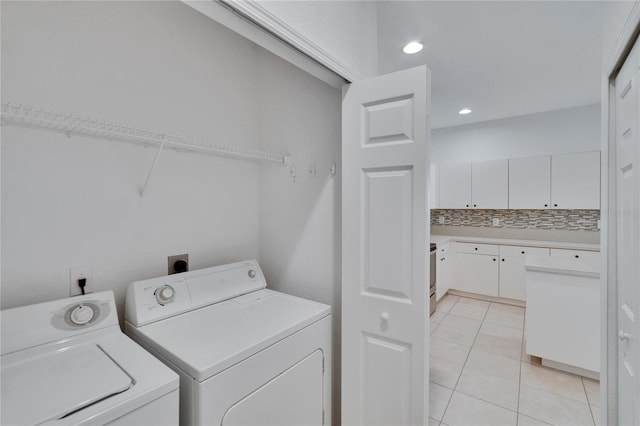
292, 172
332, 170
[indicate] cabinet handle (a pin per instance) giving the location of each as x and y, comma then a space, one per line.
467, 205
577, 256
555, 205
546, 205
476, 249
494, 259
503, 260
522, 252
442, 260
474, 205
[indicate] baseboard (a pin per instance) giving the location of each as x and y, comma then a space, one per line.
502, 300
571, 369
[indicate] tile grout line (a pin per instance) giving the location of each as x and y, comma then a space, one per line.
466, 359
445, 315
520, 377
593, 419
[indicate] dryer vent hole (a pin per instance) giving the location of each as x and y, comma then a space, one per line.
178, 264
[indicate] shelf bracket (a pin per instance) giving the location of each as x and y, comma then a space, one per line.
153, 166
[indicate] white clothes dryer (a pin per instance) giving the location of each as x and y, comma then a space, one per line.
67, 362
246, 355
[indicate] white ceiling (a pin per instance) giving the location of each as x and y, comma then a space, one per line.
499, 58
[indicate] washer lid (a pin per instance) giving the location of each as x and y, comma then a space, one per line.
61, 382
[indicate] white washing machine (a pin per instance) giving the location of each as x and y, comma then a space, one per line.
67, 362
246, 355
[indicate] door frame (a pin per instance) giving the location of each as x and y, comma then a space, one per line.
608, 228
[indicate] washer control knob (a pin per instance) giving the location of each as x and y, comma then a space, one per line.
81, 314
252, 273
165, 294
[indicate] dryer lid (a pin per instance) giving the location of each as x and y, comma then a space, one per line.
51, 386
206, 341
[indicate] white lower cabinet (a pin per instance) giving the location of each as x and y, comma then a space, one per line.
498, 270
477, 269
589, 256
443, 282
512, 282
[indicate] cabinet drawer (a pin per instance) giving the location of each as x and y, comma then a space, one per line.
590, 256
489, 249
522, 251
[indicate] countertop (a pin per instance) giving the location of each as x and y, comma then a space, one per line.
562, 266
443, 239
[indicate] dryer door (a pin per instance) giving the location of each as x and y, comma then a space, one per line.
292, 398
286, 384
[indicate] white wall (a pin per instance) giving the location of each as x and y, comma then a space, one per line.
345, 29
300, 219
561, 131
70, 202
614, 18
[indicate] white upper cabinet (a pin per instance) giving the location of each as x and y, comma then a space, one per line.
562, 181
454, 186
490, 184
530, 182
575, 180
480, 185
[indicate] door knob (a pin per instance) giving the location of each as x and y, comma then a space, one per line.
623, 336
384, 316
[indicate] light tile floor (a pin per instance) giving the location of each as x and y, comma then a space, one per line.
480, 374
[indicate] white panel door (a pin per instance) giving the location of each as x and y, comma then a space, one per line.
490, 184
628, 237
530, 182
454, 186
384, 250
575, 180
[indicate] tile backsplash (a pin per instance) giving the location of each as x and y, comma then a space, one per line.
569, 220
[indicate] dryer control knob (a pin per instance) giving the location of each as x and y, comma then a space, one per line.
82, 314
165, 294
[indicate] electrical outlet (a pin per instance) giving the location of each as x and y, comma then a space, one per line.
177, 263
441, 220
496, 221
76, 274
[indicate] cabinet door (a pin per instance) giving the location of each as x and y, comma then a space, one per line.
454, 186
442, 275
476, 273
575, 180
490, 184
513, 283
512, 278
530, 182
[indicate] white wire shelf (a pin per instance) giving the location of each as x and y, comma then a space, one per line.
25, 116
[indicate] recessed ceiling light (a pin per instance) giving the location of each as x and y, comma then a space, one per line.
464, 111
413, 47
